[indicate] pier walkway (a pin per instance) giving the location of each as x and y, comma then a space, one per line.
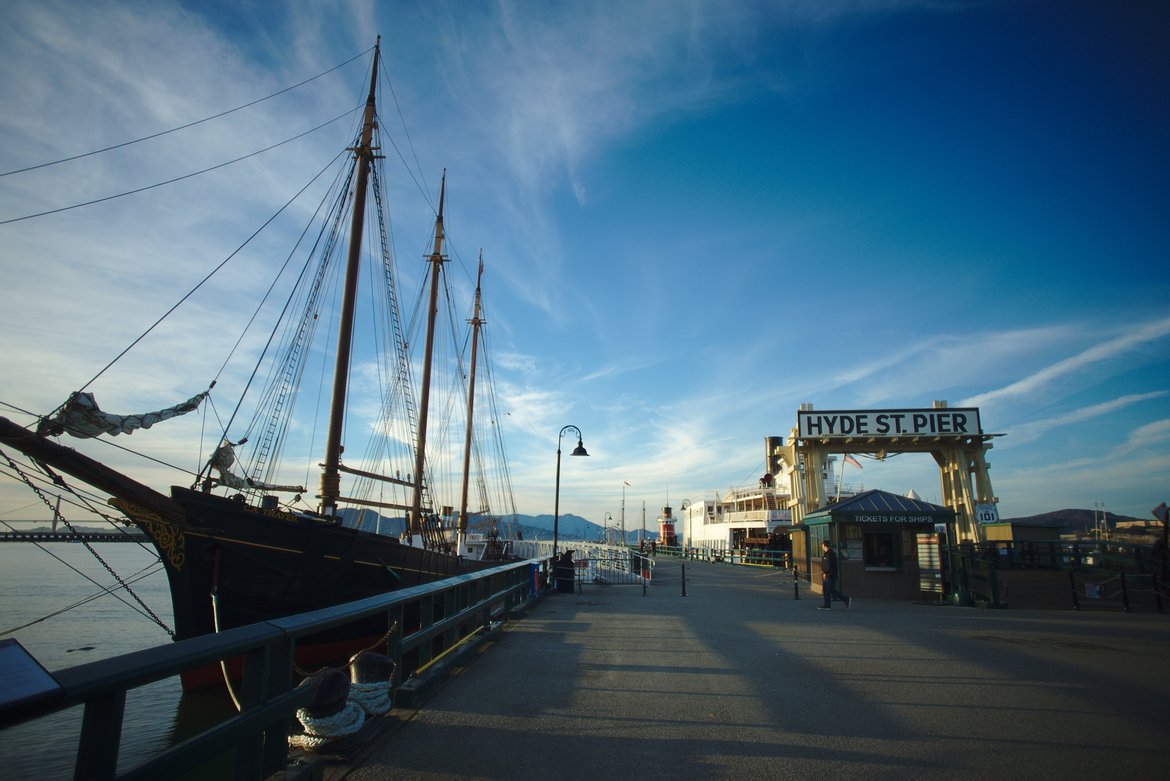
739, 680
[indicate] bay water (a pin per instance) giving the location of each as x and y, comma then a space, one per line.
51, 602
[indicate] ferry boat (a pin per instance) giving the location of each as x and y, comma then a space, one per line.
753, 517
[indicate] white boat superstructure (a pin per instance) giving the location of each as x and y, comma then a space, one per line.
746, 516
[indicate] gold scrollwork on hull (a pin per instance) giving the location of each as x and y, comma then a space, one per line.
168, 537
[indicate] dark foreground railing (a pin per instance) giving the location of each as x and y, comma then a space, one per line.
453, 609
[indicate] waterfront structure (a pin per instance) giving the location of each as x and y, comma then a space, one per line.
666, 532
887, 545
954, 437
758, 516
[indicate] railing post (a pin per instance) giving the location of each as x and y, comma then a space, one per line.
993, 584
1157, 593
279, 679
101, 736
1072, 581
250, 753
1124, 595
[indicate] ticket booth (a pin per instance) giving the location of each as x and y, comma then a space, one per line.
886, 544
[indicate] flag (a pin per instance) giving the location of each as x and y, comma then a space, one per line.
851, 460
625, 483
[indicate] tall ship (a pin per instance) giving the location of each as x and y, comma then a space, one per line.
242, 539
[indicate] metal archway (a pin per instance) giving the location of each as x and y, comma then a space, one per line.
953, 436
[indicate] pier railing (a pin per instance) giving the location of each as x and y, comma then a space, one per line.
456, 608
764, 557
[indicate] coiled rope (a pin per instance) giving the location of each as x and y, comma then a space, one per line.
320, 730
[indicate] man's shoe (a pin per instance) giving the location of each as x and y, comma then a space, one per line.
848, 603
822, 607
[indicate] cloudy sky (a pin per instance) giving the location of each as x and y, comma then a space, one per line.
695, 216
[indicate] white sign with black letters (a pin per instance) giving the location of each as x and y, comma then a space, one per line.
986, 513
948, 422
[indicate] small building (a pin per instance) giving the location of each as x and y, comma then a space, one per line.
887, 544
1010, 531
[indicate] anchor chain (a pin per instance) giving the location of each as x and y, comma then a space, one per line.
125, 586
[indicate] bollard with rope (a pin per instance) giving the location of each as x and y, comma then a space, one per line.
795, 582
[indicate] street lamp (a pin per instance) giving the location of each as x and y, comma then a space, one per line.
579, 451
608, 520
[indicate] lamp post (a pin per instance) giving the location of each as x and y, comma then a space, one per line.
579, 451
624, 484
608, 520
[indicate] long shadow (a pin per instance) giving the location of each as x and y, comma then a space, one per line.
740, 680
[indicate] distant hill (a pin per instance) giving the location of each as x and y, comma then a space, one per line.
530, 527
1070, 521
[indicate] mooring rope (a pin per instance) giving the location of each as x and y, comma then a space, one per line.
320, 730
374, 698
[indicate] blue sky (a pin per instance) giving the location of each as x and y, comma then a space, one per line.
695, 216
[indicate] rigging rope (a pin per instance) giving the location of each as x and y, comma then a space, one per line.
180, 178
188, 125
205, 279
153, 616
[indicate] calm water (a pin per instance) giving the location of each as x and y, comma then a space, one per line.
33, 585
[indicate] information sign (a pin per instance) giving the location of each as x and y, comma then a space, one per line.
942, 422
986, 513
22, 678
929, 564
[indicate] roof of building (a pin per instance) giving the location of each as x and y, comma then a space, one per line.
880, 502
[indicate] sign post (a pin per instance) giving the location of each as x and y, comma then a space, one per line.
1161, 514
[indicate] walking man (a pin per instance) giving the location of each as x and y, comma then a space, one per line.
830, 574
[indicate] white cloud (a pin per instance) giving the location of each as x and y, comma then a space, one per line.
1039, 381
1024, 433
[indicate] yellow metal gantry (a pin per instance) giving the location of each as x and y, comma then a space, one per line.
961, 458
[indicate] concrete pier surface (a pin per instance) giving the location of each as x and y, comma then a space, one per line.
739, 680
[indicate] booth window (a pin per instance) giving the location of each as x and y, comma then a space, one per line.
880, 551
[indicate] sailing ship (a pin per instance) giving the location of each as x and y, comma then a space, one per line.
234, 549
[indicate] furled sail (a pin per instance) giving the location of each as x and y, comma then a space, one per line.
223, 459
80, 417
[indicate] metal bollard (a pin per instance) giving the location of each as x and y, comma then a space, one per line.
684, 580
795, 583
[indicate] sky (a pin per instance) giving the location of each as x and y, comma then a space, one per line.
695, 217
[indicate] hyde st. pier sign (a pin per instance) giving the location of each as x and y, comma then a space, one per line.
947, 422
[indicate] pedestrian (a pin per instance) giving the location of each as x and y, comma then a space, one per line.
830, 575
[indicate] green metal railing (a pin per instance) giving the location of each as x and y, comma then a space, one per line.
451, 609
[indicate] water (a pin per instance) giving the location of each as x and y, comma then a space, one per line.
34, 584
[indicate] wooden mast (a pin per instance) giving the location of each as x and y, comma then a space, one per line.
436, 261
476, 322
363, 153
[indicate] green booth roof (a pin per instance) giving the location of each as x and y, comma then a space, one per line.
876, 506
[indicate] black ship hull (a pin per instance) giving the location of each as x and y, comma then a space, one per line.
265, 564
261, 564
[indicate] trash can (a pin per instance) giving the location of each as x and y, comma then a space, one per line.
564, 573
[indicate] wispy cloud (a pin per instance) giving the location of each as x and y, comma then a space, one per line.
1144, 437
1037, 382
1023, 433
